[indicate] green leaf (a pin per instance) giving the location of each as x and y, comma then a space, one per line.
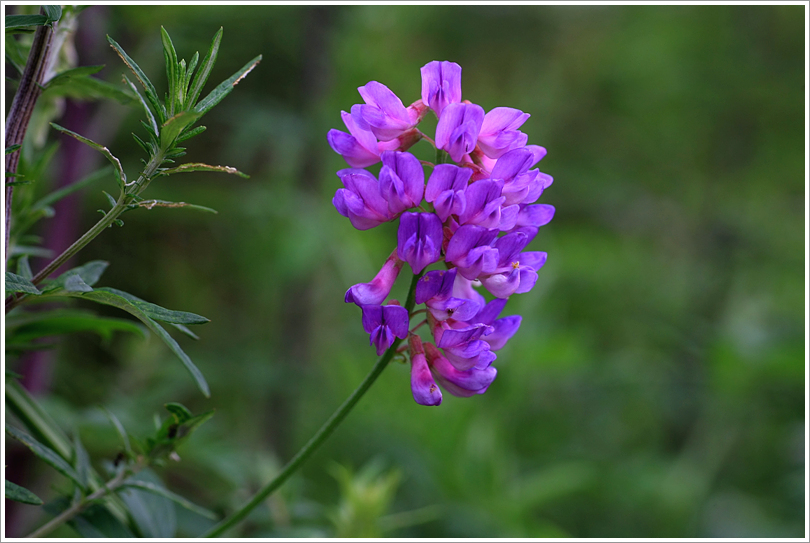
12, 148
86, 88
188, 134
143, 311
179, 500
172, 128
153, 513
63, 77
122, 433
208, 62
81, 461
225, 87
149, 115
89, 273
185, 330
53, 13
66, 321
200, 167
149, 204
48, 455
74, 283
151, 95
97, 522
57, 195
23, 495
24, 268
119, 171
181, 412
175, 96
20, 21
16, 283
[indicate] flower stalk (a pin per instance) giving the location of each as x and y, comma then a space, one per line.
321, 435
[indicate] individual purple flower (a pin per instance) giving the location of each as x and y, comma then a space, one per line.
521, 185
423, 387
384, 323
360, 147
445, 189
441, 85
402, 181
504, 328
435, 290
384, 112
458, 383
499, 131
458, 128
419, 239
463, 346
361, 200
470, 250
517, 272
485, 206
375, 292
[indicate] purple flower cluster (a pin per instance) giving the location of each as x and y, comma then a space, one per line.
476, 214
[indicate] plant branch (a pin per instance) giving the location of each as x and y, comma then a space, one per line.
321, 435
22, 106
80, 505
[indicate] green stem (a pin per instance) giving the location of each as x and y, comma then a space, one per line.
79, 506
109, 218
321, 435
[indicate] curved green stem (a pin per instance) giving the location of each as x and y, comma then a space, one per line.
321, 435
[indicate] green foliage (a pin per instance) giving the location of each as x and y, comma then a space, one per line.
365, 499
48, 455
16, 283
20, 494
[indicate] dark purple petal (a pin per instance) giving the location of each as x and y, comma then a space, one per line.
441, 84
483, 204
446, 177
528, 278
384, 112
424, 388
419, 239
462, 288
490, 312
505, 328
457, 337
509, 247
382, 338
533, 259
430, 284
407, 169
458, 128
350, 149
372, 317
512, 164
396, 318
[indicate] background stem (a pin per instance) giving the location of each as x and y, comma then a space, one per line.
23, 106
322, 434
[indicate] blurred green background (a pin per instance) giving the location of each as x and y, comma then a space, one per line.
656, 387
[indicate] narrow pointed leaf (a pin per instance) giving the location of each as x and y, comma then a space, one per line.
151, 95
188, 134
170, 58
89, 273
24, 268
200, 167
179, 500
155, 311
224, 88
12, 148
57, 195
16, 283
149, 115
81, 461
122, 433
172, 128
208, 62
21, 21
22, 495
64, 77
119, 171
175, 348
46, 454
185, 330
149, 204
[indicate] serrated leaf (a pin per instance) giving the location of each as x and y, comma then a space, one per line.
200, 167
208, 62
142, 310
119, 171
151, 95
172, 128
20, 21
16, 283
46, 454
149, 204
179, 500
225, 88
22, 495
53, 13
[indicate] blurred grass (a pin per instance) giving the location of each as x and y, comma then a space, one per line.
656, 387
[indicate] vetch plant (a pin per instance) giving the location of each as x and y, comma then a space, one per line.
474, 212
170, 122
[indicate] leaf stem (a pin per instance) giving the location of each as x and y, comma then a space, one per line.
321, 435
